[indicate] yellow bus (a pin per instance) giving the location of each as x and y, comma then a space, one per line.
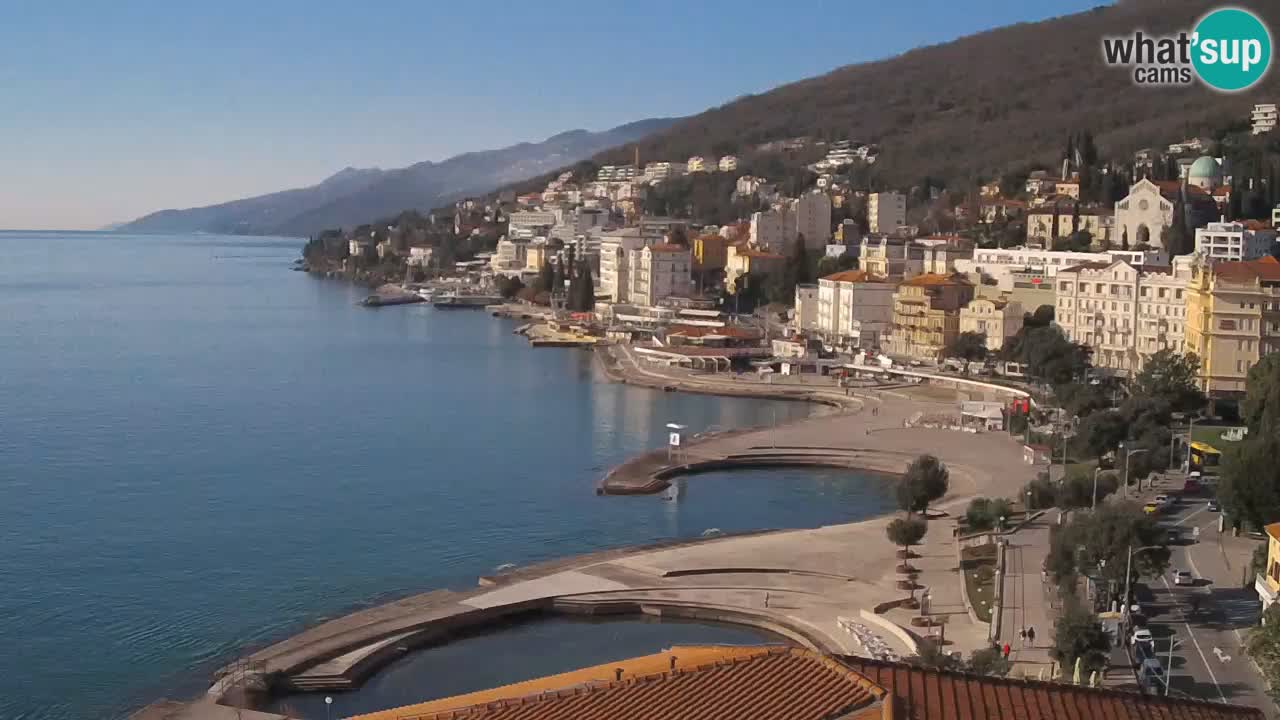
1204, 457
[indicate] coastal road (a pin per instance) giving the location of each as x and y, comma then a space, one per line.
1207, 622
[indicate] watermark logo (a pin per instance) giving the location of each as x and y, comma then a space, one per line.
1229, 50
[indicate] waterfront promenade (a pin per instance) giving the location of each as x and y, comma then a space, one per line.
798, 584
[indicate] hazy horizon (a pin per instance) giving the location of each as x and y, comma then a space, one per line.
115, 112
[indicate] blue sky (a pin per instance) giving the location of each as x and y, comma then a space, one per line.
112, 110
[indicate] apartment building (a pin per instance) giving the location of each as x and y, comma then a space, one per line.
1041, 224
997, 319
659, 171
1234, 241
768, 231
926, 315
1002, 265
1263, 118
710, 252
508, 257
616, 173
697, 164
886, 211
893, 258
658, 272
1233, 320
528, 224
1124, 312
728, 163
805, 316
810, 215
615, 258
855, 308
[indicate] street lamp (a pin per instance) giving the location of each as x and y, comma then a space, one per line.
328, 705
1095, 486
1128, 455
1128, 575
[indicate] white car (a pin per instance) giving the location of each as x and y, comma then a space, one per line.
1183, 577
1142, 636
1162, 500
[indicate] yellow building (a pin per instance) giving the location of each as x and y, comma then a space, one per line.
1267, 584
926, 315
1233, 319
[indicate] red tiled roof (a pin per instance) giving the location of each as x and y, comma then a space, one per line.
924, 694
853, 276
934, 280
781, 683
1267, 268
1273, 530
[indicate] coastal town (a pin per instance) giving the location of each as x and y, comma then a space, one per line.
1067, 373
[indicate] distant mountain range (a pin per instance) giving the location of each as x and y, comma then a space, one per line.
353, 195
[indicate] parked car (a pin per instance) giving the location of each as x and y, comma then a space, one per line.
1213, 506
1151, 673
1173, 535
1183, 577
1151, 508
1163, 500
1142, 636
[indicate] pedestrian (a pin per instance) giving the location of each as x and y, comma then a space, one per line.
1031, 636
1005, 651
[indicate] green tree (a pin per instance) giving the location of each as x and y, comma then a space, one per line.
1098, 542
546, 277
1178, 238
925, 480
1101, 432
984, 513
1171, 376
1264, 647
988, 661
1077, 634
906, 532
971, 346
1249, 482
508, 287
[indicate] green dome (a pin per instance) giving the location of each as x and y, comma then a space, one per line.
1204, 167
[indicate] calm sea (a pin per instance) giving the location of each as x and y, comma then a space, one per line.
202, 451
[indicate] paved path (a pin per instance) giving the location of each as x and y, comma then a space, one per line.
1027, 599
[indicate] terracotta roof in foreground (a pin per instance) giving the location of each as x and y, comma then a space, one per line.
1273, 530
1266, 268
924, 694
935, 280
761, 683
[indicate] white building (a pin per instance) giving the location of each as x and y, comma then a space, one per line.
1264, 118
698, 164
805, 316
1143, 216
886, 211
1275, 217
659, 171
508, 257
728, 163
1235, 241
616, 173
660, 271
854, 308
1000, 264
528, 224
420, 256
615, 258
1125, 313
998, 320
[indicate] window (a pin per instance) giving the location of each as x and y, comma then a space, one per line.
1177, 294
1065, 287
1226, 324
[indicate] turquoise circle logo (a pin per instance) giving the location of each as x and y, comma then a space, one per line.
1231, 49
